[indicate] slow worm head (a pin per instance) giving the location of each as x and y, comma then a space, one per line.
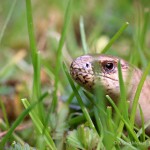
102, 70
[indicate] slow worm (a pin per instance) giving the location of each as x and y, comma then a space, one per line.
83, 71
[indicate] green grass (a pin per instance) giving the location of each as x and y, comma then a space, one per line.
54, 124
59, 54
115, 37
7, 20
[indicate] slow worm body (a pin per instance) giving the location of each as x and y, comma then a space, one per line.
92, 70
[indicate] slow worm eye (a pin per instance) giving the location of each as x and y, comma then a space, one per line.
87, 65
109, 66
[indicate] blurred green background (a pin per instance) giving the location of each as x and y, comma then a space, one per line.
102, 19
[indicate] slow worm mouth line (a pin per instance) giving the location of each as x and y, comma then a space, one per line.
100, 75
106, 77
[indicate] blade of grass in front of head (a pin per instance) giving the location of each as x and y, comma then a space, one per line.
123, 102
100, 114
59, 53
115, 37
90, 98
99, 123
109, 119
79, 99
99, 111
129, 128
137, 94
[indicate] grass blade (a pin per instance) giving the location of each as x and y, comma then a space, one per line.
83, 36
59, 53
115, 37
98, 122
34, 53
137, 95
31, 33
36, 62
4, 113
122, 118
123, 102
14, 60
39, 125
145, 27
109, 119
142, 119
19, 120
7, 19
85, 112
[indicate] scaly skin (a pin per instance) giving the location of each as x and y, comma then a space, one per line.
92, 70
